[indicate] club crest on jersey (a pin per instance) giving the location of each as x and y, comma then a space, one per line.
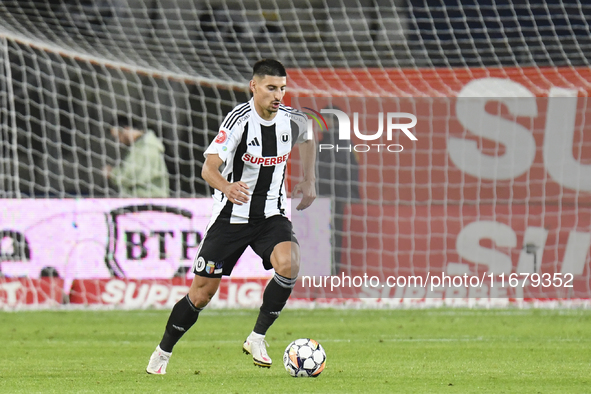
200, 265
264, 161
285, 138
221, 137
210, 267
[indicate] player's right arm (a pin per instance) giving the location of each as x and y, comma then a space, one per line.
221, 148
236, 192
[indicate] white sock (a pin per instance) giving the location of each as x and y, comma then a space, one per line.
254, 335
165, 353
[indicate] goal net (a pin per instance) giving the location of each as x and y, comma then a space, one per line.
497, 182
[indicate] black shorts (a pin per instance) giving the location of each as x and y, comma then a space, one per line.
224, 243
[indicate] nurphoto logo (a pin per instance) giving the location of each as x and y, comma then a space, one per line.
344, 130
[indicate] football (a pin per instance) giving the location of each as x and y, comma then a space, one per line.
304, 358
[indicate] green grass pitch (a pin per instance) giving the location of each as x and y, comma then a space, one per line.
368, 351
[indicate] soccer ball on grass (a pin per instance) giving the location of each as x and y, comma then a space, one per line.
304, 358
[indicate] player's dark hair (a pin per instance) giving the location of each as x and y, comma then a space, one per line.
270, 67
125, 120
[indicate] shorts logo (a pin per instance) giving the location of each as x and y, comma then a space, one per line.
200, 264
218, 267
210, 267
221, 138
285, 138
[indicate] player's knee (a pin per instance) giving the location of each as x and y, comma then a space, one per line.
295, 262
200, 298
202, 293
288, 264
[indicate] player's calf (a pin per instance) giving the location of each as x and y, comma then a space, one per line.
275, 297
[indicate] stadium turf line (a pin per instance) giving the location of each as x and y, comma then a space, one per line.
369, 351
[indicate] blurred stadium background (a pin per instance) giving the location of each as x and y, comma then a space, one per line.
69, 67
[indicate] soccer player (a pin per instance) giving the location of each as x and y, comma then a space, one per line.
254, 141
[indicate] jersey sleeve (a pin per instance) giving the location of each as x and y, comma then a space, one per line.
226, 141
301, 123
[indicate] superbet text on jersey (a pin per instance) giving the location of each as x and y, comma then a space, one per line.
255, 152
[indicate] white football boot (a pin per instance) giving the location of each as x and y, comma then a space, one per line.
256, 345
158, 362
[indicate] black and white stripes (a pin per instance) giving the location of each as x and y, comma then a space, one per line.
284, 282
255, 151
236, 114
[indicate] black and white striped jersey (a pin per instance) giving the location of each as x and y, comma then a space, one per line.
255, 151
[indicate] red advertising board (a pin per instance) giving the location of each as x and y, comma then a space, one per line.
471, 239
429, 82
149, 293
502, 163
507, 150
19, 292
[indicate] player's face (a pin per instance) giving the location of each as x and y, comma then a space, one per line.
122, 135
268, 93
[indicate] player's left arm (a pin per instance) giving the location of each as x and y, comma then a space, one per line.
308, 186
